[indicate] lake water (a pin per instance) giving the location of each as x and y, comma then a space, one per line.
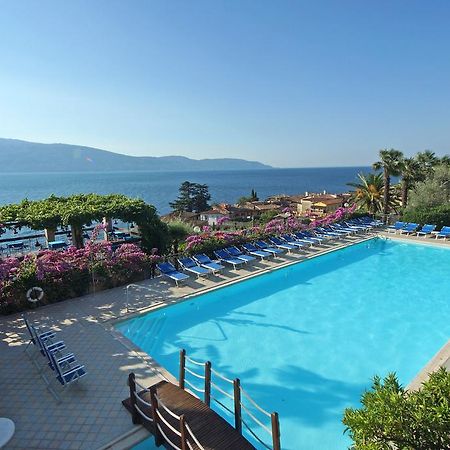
159, 188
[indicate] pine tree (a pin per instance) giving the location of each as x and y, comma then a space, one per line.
200, 197
193, 197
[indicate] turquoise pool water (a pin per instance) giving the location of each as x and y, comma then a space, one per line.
306, 340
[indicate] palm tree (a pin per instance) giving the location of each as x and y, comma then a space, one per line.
178, 231
390, 163
445, 160
368, 192
411, 172
428, 160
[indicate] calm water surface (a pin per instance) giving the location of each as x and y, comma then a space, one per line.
306, 340
159, 188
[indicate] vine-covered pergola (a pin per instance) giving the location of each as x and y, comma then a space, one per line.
76, 211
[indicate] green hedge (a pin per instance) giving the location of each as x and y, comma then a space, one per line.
439, 215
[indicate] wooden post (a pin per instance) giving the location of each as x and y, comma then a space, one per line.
182, 368
276, 431
135, 416
77, 235
208, 383
237, 405
158, 436
183, 437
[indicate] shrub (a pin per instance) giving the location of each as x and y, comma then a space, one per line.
392, 417
438, 215
209, 240
69, 273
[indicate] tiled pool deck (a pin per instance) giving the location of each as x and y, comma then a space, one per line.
90, 415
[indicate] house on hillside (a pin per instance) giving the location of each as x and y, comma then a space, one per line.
319, 205
232, 212
255, 209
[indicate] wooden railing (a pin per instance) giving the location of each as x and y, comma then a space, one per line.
147, 407
242, 402
161, 425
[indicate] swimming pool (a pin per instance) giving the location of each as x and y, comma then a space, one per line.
307, 339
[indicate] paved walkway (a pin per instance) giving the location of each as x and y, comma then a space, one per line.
91, 415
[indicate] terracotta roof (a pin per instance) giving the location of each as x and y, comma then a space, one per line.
214, 211
328, 201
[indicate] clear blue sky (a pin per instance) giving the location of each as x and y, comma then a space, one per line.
289, 83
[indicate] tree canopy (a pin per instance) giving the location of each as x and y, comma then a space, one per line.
84, 209
433, 190
193, 197
368, 193
79, 209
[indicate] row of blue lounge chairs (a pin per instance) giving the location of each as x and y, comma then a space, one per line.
201, 265
414, 228
63, 364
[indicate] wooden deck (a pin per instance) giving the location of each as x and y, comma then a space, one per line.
212, 431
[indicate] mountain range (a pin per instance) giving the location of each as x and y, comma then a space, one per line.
23, 156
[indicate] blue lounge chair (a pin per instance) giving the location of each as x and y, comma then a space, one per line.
63, 359
40, 339
336, 229
345, 228
207, 263
409, 228
168, 270
293, 241
252, 250
190, 265
320, 235
396, 227
66, 372
227, 258
444, 233
299, 238
328, 232
268, 248
358, 226
426, 230
302, 237
313, 236
281, 244
370, 221
35, 334
236, 253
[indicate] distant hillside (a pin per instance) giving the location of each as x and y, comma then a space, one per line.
22, 156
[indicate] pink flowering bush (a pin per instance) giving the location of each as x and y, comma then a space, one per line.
222, 220
212, 240
340, 214
70, 273
208, 241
